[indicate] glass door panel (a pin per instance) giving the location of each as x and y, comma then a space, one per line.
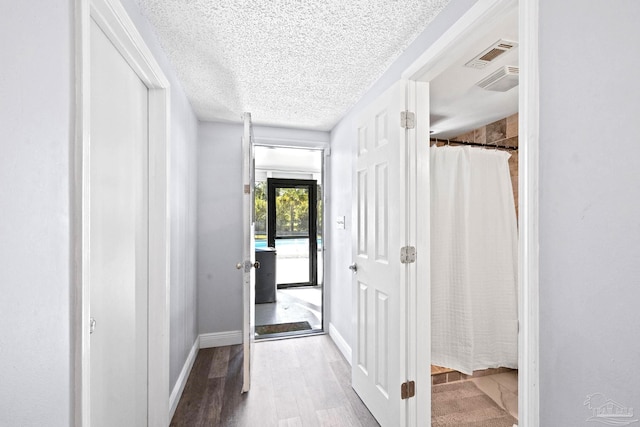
292, 261
292, 230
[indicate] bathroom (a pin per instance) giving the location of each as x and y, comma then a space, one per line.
474, 255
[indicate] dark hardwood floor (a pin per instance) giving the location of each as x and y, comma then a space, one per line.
295, 382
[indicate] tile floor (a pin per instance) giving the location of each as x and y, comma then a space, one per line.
293, 305
502, 388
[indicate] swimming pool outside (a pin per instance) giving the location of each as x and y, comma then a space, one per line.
292, 260
262, 243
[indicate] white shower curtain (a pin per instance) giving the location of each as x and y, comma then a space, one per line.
473, 260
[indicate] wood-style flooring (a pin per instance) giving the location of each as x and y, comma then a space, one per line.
295, 382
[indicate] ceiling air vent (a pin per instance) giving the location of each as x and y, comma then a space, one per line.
491, 53
501, 80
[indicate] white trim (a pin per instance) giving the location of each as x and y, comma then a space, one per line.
80, 338
340, 342
419, 310
220, 339
430, 64
111, 16
528, 189
115, 22
307, 144
178, 388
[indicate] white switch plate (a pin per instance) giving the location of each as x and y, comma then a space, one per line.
340, 223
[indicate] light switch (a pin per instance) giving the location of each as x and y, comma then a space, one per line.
340, 223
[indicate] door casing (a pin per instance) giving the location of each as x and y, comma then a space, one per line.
431, 63
115, 22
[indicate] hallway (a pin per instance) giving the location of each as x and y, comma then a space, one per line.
295, 382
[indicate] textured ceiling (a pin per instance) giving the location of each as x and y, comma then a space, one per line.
296, 63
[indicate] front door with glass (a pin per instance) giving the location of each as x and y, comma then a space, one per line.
292, 230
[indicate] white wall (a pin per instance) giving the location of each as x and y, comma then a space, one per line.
36, 129
220, 218
219, 227
37, 132
343, 142
589, 206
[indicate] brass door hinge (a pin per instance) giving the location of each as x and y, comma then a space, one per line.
408, 389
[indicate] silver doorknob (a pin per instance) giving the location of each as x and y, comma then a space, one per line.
247, 265
353, 267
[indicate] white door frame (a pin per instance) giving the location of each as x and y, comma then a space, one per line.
112, 18
431, 63
324, 148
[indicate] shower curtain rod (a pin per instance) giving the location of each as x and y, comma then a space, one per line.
474, 144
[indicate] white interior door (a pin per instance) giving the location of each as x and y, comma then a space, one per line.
248, 250
119, 249
379, 354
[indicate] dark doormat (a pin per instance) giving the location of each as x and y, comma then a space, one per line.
461, 403
282, 327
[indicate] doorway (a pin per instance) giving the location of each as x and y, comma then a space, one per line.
122, 333
416, 119
473, 107
473, 126
289, 241
423, 75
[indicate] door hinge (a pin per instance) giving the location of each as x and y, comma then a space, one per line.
408, 389
407, 120
408, 254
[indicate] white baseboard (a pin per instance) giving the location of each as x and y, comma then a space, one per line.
341, 343
176, 393
220, 339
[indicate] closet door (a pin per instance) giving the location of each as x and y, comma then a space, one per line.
379, 365
119, 251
